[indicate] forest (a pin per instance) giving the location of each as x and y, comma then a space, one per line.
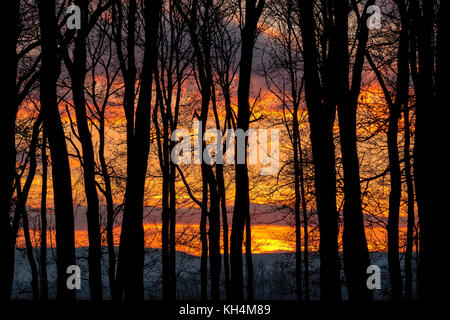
223, 150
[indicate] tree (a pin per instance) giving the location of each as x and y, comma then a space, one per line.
103, 62
345, 95
225, 47
9, 33
130, 266
22, 197
321, 116
428, 68
288, 87
77, 70
62, 187
200, 29
395, 107
43, 280
169, 79
241, 213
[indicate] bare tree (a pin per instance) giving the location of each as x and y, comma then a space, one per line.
20, 67
8, 37
395, 108
225, 47
22, 197
131, 251
286, 59
345, 94
103, 62
200, 28
62, 188
77, 70
241, 213
169, 79
428, 67
321, 115
43, 280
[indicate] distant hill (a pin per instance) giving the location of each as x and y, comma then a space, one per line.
273, 273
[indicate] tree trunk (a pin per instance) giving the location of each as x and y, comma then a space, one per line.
356, 254
30, 255
110, 216
172, 238
249, 258
200, 39
297, 177
321, 117
401, 100
223, 206
430, 124
22, 196
411, 214
9, 19
62, 187
43, 251
214, 236
305, 222
242, 200
78, 73
131, 251
394, 205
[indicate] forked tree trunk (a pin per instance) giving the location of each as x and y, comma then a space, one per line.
77, 70
321, 117
356, 254
130, 267
241, 214
62, 186
401, 101
21, 210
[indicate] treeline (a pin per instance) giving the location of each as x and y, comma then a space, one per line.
163, 64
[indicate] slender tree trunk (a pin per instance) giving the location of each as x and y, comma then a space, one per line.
30, 255
166, 212
298, 237
200, 40
249, 258
356, 254
222, 192
223, 206
78, 73
411, 214
321, 117
172, 238
204, 242
394, 205
394, 161
242, 200
107, 192
305, 222
130, 267
43, 251
214, 236
21, 210
62, 187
